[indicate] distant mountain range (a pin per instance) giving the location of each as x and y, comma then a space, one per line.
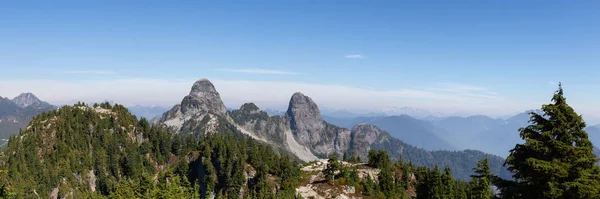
149, 112
494, 136
17, 112
594, 134
415, 132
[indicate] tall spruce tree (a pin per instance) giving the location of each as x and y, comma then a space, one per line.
386, 181
480, 186
448, 184
556, 160
435, 184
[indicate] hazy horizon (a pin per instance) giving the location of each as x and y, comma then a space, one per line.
489, 58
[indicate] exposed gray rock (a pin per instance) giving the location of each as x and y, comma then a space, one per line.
312, 131
54, 193
301, 131
305, 120
250, 118
202, 102
26, 99
363, 136
203, 97
274, 129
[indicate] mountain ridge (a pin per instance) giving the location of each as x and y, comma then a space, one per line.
300, 131
16, 113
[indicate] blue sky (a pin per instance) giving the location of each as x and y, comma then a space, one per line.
476, 57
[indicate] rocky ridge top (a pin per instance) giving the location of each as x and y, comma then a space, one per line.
301, 131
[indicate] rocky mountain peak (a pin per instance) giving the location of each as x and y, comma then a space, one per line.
203, 97
203, 87
26, 99
304, 107
305, 119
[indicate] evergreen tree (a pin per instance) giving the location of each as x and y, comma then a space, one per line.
345, 158
435, 184
378, 159
333, 166
234, 184
353, 178
210, 177
386, 182
556, 160
422, 183
480, 187
124, 190
369, 187
447, 184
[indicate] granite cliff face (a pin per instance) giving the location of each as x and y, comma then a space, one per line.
312, 131
305, 119
301, 131
203, 97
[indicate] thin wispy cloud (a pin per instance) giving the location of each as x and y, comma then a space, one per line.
90, 72
473, 91
355, 56
258, 71
458, 87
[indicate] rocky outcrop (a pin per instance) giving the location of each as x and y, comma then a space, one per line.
312, 131
316, 185
203, 97
251, 119
275, 129
363, 136
301, 131
202, 106
305, 119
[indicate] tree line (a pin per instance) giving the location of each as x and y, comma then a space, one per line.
65, 151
